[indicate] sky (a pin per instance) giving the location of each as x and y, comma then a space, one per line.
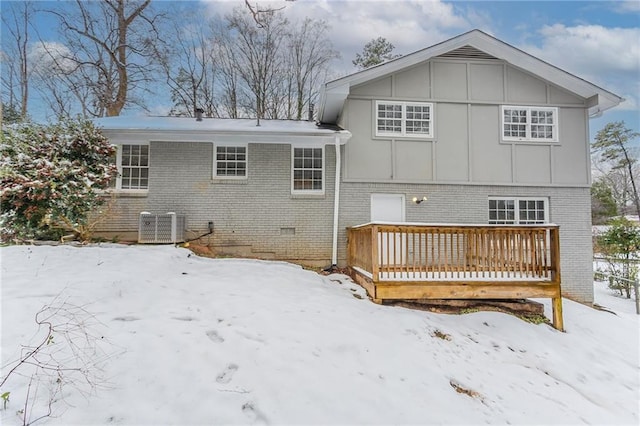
161, 336
595, 40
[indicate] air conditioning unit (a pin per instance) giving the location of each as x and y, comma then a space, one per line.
161, 228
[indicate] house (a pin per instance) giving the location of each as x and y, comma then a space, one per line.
468, 131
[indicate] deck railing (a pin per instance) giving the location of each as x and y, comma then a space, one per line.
528, 253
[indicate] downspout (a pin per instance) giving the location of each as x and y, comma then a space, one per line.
336, 205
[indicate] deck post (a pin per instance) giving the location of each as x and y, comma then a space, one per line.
555, 254
554, 244
558, 322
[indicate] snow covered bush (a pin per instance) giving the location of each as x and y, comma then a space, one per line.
51, 178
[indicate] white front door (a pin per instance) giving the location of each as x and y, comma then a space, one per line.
389, 208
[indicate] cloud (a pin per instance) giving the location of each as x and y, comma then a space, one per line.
608, 57
627, 6
409, 24
48, 56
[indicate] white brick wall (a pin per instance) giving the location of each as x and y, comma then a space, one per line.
253, 212
249, 212
568, 207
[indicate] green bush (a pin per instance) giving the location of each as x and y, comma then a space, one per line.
620, 245
51, 178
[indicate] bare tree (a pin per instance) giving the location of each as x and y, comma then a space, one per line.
228, 78
234, 68
259, 13
114, 45
311, 53
53, 79
17, 18
189, 66
259, 55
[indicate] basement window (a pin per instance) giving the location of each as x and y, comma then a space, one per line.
518, 211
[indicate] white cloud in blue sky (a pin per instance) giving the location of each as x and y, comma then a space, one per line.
595, 40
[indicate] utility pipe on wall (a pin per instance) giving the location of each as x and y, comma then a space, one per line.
336, 205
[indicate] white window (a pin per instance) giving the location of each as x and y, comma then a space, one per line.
230, 162
307, 170
521, 123
410, 119
133, 168
518, 211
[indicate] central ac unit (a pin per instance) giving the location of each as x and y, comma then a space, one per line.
161, 228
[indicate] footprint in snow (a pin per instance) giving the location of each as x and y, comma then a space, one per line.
126, 318
226, 376
185, 318
214, 336
250, 409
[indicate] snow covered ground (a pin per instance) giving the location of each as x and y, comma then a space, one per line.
193, 341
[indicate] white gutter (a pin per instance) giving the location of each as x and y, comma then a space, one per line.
336, 205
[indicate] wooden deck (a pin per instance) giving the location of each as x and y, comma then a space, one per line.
416, 261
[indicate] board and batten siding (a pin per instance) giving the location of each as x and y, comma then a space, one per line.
467, 145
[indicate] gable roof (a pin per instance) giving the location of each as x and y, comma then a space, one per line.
473, 44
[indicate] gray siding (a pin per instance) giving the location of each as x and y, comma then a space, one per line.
467, 146
254, 217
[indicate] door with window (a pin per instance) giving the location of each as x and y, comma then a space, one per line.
389, 208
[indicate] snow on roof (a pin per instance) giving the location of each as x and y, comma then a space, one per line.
221, 125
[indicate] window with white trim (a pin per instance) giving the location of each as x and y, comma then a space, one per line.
518, 211
307, 175
230, 162
410, 119
520, 123
133, 168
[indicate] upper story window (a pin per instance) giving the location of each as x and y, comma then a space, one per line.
518, 211
521, 123
230, 162
133, 167
308, 170
410, 119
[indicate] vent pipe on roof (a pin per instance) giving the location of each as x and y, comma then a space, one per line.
199, 112
310, 112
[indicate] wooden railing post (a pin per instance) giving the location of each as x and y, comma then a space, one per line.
350, 244
375, 260
555, 254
